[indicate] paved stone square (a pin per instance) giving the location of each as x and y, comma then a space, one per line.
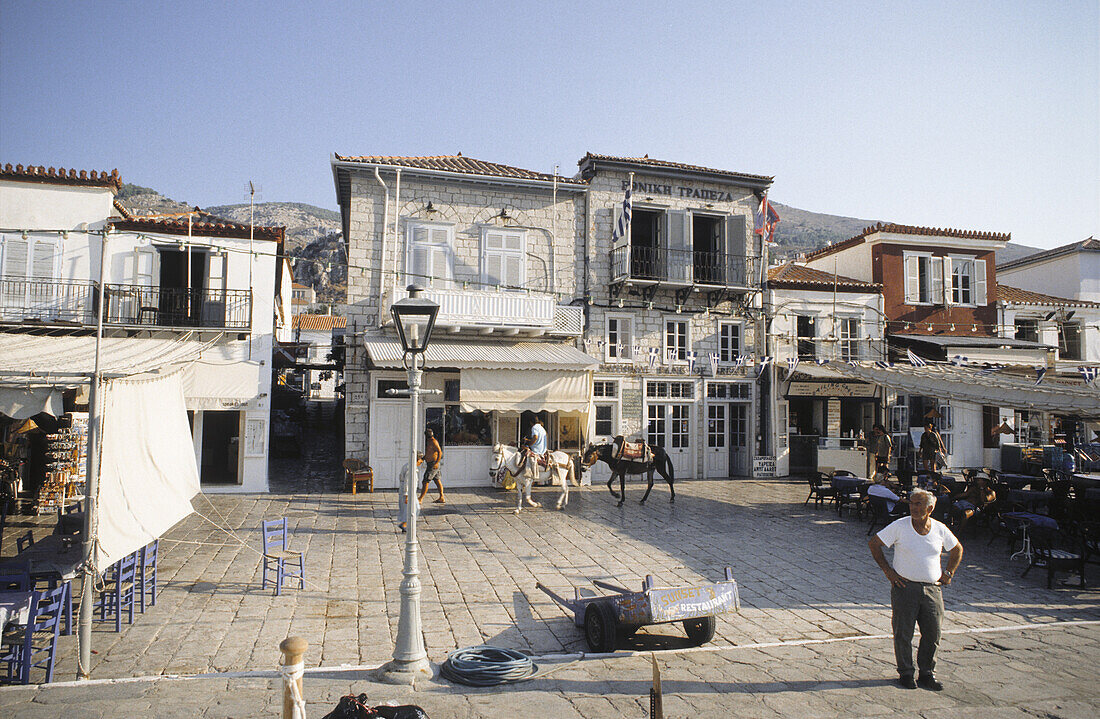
809, 589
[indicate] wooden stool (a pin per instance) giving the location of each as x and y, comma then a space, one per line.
356, 471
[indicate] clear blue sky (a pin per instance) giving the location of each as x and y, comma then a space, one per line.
979, 115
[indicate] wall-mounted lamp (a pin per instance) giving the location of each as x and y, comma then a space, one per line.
812, 320
503, 213
929, 326
908, 326
430, 208
952, 326
974, 328
24, 234
620, 303
679, 309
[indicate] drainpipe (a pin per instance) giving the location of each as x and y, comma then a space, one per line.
396, 216
587, 254
381, 266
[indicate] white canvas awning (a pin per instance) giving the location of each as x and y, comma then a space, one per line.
1001, 389
68, 361
23, 402
386, 353
510, 390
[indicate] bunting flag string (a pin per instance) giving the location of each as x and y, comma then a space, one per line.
1040, 373
670, 356
792, 365
883, 364
691, 356
820, 362
636, 351
652, 358
764, 362
713, 357
914, 359
1089, 374
960, 361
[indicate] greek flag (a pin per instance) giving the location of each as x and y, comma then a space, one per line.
792, 364
1089, 373
623, 224
670, 356
636, 351
691, 357
618, 350
1040, 373
959, 360
988, 369
882, 364
914, 360
652, 358
741, 360
713, 357
820, 362
764, 362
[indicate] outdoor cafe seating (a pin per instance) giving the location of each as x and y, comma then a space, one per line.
29, 640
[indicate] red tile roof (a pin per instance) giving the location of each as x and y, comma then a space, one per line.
319, 322
910, 230
647, 161
458, 164
792, 276
202, 223
61, 176
1027, 297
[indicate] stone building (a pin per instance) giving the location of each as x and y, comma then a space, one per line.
544, 313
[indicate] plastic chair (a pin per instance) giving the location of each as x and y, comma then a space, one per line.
279, 558
15, 577
881, 514
24, 542
35, 646
147, 575
118, 591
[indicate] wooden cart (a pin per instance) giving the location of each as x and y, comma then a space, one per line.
604, 616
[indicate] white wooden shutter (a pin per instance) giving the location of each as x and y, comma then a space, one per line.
44, 259
16, 251
912, 279
215, 272
678, 256
441, 267
938, 284
145, 262
782, 416
735, 265
948, 282
980, 296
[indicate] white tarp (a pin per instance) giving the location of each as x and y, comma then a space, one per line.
23, 402
509, 390
70, 360
147, 470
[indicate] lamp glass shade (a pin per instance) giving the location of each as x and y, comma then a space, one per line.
414, 318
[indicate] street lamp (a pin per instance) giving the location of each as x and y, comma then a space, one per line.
414, 318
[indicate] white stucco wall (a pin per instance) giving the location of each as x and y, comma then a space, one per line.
34, 206
1075, 275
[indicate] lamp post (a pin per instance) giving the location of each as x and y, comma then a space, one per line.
414, 318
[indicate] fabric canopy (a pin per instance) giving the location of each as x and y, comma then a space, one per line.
70, 360
23, 402
147, 471
509, 390
965, 384
387, 354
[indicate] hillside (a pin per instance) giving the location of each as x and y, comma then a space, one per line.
313, 234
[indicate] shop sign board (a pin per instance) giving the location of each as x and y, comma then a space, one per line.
831, 389
763, 466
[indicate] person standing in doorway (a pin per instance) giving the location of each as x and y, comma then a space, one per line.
433, 459
916, 591
881, 449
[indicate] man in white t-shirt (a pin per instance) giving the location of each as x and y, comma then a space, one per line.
916, 579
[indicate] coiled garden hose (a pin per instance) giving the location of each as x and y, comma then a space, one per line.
487, 666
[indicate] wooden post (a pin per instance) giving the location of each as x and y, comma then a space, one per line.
293, 649
656, 708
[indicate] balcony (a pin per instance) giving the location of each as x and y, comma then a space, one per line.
497, 311
72, 302
683, 268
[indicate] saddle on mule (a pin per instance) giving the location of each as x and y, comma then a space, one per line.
632, 451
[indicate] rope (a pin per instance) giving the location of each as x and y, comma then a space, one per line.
486, 666
291, 673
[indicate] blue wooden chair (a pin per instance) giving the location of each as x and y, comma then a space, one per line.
34, 646
15, 576
147, 575
119, 590
24, 542
279, 559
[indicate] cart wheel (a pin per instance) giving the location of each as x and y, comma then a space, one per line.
600, 626
700, 630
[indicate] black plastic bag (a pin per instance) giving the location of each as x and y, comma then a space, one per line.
356, 707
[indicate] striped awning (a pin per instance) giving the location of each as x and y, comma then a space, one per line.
386, 353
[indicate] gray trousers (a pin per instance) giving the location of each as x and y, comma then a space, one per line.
921, 604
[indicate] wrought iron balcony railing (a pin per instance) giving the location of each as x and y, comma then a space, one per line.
684, 267
68, 302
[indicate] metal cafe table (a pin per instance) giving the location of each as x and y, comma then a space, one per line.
15, 607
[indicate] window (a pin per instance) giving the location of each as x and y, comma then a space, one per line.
503, 254
1027, 329
1069, 341
606, 395
967, 280
670, 390
385, 385
918, 278
683, 246
805, 334
680, 424
21, 260
619, 339
430, 259
947, 427
729, 342
469, 429
728, 390
676, 340
849, 338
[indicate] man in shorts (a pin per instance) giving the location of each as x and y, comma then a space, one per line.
433, 458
